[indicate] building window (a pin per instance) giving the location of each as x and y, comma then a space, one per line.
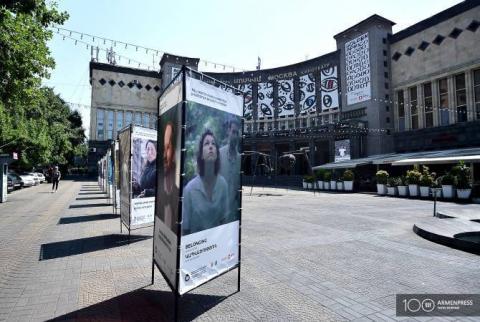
110, 125
386, 75
128, 118
443, 93
153, 121
428, 104
119, 120
387, 108
461, 98
146, 119
401, 111
388, 120
138, 118
100, 124
261, 126
386, 86
385, 64
384, 53
304, 122
476, 91
414, 107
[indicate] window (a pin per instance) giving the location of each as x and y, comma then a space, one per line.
385, 74
110, 125
128, 118
413, 107
461, 98
261, 126
388, 120
476, 91
304, 122
138, 118
153, 121
119, 120
385, 64
386, 86
384, 53
100, 124
387, 108
428, 104
443, 95
146, 119
401, 111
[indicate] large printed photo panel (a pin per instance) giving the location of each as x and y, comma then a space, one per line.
211, 184
124, 143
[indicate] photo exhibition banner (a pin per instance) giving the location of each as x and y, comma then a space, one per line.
211, 187
165, 240
116, 176
357, 70
342, 150
143, 173
109, 173
124, 144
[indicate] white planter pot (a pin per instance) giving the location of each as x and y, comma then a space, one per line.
437, 191
413, 190
310, 185
447, 191
348, 185
304, 185
381, 189
339, 185
333, 185
402, 191
391, 191
464, 193
326, 185
424, 191
320, 185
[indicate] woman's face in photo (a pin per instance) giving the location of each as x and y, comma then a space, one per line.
151, 152
209, 149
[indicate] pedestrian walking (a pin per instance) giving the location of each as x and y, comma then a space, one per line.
56, 175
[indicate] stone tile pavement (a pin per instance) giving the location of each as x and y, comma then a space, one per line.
306, 257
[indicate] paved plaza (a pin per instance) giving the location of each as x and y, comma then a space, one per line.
305, 257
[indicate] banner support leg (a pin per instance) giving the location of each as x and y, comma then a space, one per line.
177, 304
238, 279
153, 272
121, 228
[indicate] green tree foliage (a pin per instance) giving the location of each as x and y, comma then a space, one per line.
34, 121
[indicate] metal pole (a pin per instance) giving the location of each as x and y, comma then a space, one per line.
175, 314
435, 203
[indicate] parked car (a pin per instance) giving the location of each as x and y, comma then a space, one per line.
28, 180
16, 180
40, 176
35, 177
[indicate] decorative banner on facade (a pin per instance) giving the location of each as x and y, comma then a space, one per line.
168, 193
210, 218
248, 107
265, 99
342, 150
124, 142
357, 70
307, 93
329, 88
286, 104
144, 172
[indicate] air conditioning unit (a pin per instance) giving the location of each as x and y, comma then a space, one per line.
93, 150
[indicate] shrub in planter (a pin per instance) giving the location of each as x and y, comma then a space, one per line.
447, 182
309, 180
319, 176
402, 187
464, 187
339, 184
347, 178
425, 182
413, 178
382, 178
392, 184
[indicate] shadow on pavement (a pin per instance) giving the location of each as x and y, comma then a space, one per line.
77, 219
91, 198
145, 305
86, 245
92, 193
90, 205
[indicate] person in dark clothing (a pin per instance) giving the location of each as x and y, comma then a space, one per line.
56, 175
146, 186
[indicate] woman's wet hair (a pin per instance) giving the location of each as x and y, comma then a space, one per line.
200, 161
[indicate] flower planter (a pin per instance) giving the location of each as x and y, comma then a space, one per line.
391, 191
464, 193
320, 185
437, 191
447, 191
381, 189
424, 192
310, 185
326, 185
348, 185
333, 185
402, 191
413, 190
304, 185
340, 185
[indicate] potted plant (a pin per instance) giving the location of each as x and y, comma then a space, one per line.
339, 184
402, 187
425, 182
310, 180
319, 175
392, 184
464, 187
436, 188
304, 182
333, 182
327, 176
382, 177
413, 178
447, 182
348, 177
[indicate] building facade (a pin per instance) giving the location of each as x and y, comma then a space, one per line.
377, 93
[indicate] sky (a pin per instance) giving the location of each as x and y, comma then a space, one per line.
231, 33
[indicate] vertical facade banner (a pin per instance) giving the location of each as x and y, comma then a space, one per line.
286, 104
247, 89
357, 70
307, 93
124, 143
329, 88
342, 150
265, 99
144, 173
